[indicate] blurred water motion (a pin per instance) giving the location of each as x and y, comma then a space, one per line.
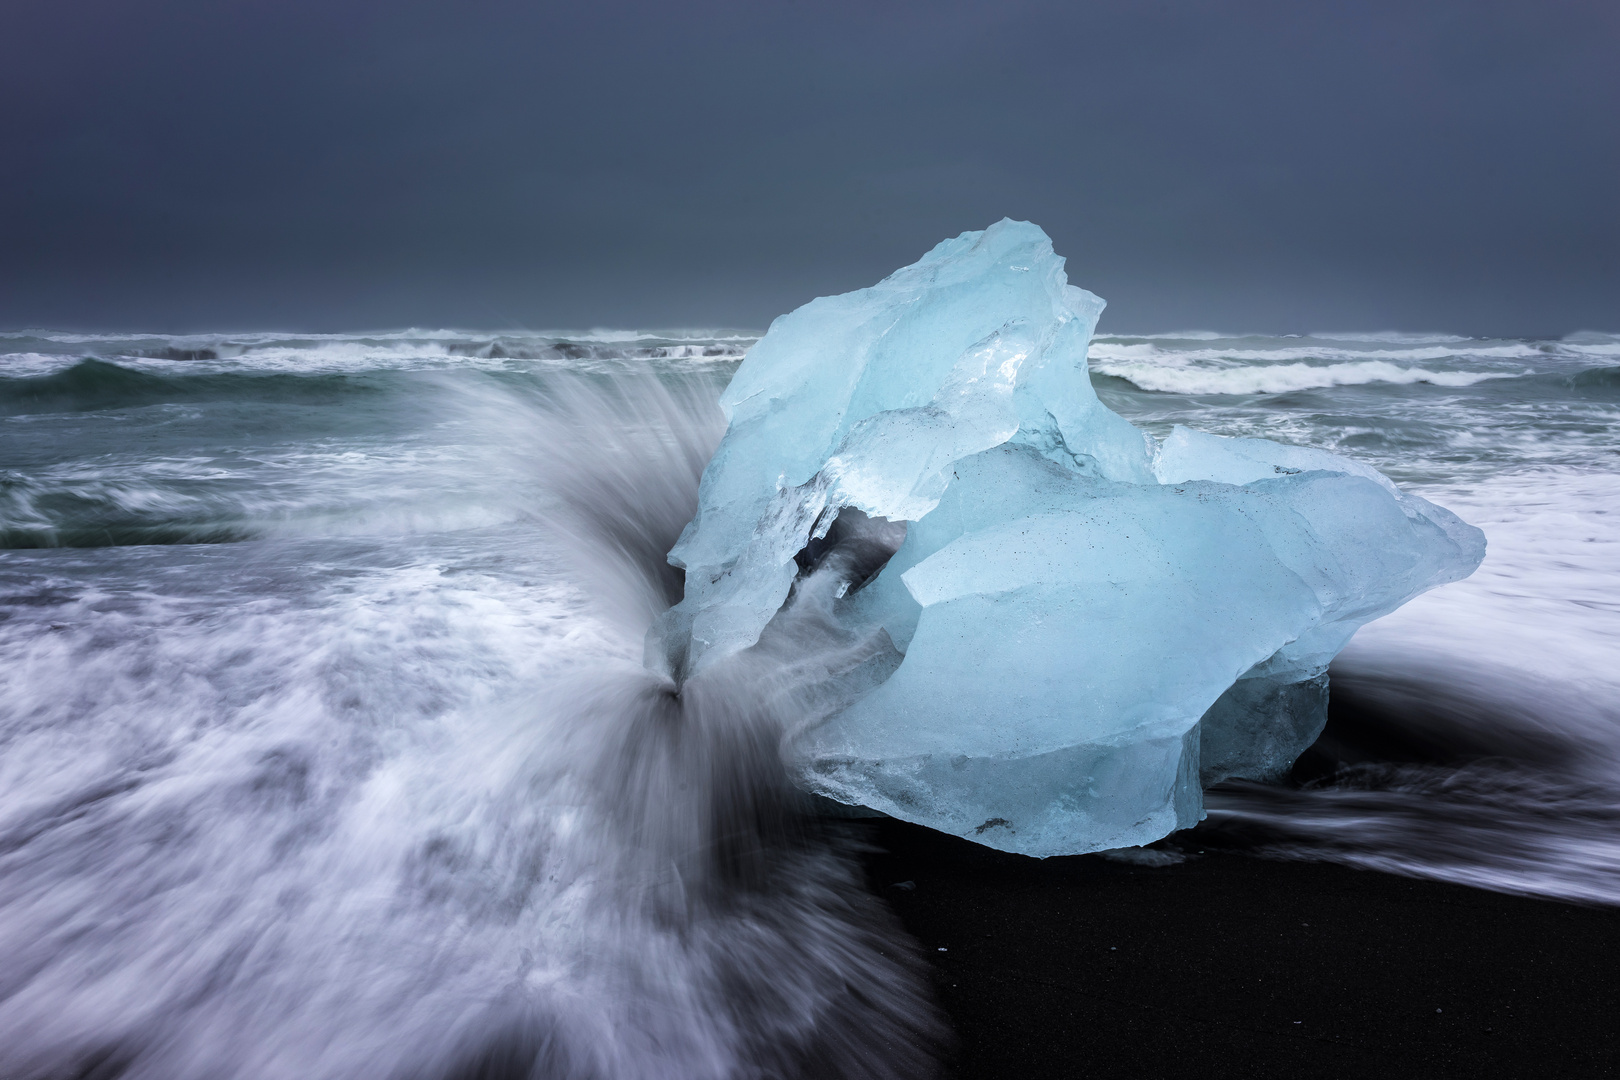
327, 749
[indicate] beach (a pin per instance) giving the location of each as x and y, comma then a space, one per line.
326, 723
1229, 965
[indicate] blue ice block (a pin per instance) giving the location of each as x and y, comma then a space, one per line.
1083, 627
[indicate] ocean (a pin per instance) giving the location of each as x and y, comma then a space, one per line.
326, 748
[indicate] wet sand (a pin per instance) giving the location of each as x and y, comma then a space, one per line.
1228, 965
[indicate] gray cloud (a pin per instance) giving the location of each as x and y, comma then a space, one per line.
189, 164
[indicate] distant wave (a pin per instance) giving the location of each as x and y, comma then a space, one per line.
1281, 378
97, 384
1596, 379
1275, 350
1593, 345
1376, 337
48, 352
259, 337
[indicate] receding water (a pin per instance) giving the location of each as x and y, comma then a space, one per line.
1477, 729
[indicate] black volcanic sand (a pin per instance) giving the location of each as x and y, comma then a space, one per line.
1228, 965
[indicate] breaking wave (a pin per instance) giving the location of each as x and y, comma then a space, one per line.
1596, 379
1281, 378
347, 807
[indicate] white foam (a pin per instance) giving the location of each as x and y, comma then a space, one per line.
1396, 336
1525, 654
1541, 611
1289, 352
1184, 378
1603, 349
32, 364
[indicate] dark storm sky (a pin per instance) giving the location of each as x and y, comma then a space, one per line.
340, 164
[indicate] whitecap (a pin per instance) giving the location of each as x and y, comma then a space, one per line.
1281, 378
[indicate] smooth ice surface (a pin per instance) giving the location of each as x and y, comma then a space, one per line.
1068, 601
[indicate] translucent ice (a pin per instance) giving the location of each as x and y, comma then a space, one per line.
1079, 628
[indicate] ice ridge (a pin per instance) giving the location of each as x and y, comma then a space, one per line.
1060, 630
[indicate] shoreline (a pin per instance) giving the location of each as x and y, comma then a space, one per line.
1231, 965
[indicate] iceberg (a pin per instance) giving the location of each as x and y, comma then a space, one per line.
1063, 629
